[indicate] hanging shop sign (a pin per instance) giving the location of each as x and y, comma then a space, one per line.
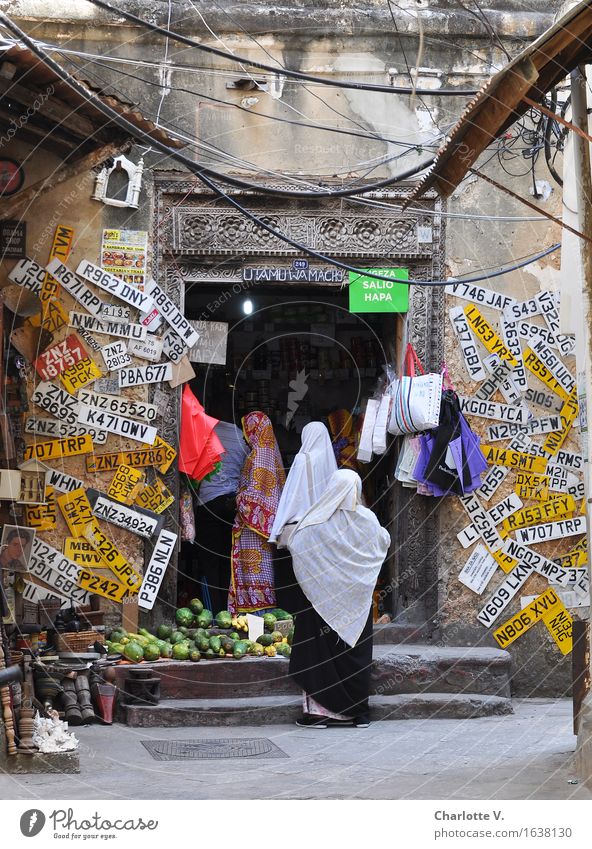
60, 249
116, 424
480, 519
479, 295
497, 514
534, 427
568, 415
13, 239
53, 361
84, 372
74, 286
115, 312
559, 371
81, 551
532, 486
543, 605
102, 586
112, 557
156, 497
540, 371
76, 510
499, 373
159, 561
467, 344
504, 594
120, 406
142, 522
63, 482
42, 517
139, 458
145, 374
125, 252
115, 286
561, 505
80, 321
28, 274
172, 315
125, 484
53, 427
559, 624
512, 341
173, 347
170, 454
569, 460
56, 448
300, 272
552, 530
492, 410
367, 294
149, 349
487, 335
115, 356
211, 346
514, 459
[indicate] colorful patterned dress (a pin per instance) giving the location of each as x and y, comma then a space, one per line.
262, 478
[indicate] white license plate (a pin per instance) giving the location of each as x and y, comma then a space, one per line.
74, 286
55, 400
125, 517
172, 315
115, 356
117, 424
79, 321
163, 550
114, 285
120, 406
145, 374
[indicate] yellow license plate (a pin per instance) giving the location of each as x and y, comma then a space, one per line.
140, 458
76, 510
56, 448
577, 556
514, 459
42, 517
540, 371
79, 375
568, 414
170, 454
559, 625
54, 317
81, 551
503, 560
543, 606
126, 484
60, 249
105, 587
561, 506
532, 486
113, 558
487, 335
156, 497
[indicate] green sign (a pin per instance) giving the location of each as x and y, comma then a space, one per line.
366, 294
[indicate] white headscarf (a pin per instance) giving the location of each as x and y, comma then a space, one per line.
307, 479
338, 548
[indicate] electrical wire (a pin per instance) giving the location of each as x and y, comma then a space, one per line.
284, 72
136, 132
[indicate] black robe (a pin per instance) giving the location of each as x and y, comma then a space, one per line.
336, 675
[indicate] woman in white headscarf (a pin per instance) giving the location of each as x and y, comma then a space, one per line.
307, 480
337, 548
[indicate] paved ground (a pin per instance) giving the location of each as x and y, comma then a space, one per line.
525, 756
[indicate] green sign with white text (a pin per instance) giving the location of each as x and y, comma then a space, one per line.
366, 294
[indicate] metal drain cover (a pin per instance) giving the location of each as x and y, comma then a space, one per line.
229, 747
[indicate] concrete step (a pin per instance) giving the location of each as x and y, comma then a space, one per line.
280, 710
396, 669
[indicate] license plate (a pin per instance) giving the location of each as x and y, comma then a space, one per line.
113, 558
114, 285
535, 427
544, 605
500, 371
479, 295
63, 482
552, 530
534, 333
52, 427
532, 486
63, 587
145, 374
60, 249
125, 484
53, 319
559, 624
522, 310
562, 505
83, 373
144, 523
173, 346
92, 324
172, 315
42, 517
115, 356
105, 587
155, 497
57, 448
170, 454
151, 320
46, 556
149, 349
81, 551
116, 424
512, 340
492, 482
53, 399
493, 410
137, 459
510, 504
504, 594
28, 274
542, 565
568, 415
540, 371
161, 556
514, 459
115, 312
119, 406
487, 335
76, 510
478, 570
559, 371
482, 522
74, 286
569, 460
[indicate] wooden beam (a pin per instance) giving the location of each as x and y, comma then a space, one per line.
36, 135
69, 169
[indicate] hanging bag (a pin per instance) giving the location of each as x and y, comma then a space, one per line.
416, 398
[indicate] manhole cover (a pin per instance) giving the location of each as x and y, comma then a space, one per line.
185, 750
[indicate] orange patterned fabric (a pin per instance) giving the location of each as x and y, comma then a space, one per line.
344, 437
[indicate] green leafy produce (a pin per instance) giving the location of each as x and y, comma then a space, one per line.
164, 631
201, 632
133, 651
269, 621
215, 644
224, 619
277, 637
152, 652
176, 637
184, 616
183, 630
195, 655
180, 651
196, 606
265, 639
144, 633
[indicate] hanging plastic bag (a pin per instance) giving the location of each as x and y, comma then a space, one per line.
416, 398
186, 514
381, 424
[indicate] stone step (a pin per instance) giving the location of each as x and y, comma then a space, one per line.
396, 669
282, 710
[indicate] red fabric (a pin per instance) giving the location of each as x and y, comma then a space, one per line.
199, 447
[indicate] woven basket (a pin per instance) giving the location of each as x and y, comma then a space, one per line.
77, 642
48, 610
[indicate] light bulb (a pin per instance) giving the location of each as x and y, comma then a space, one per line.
248, 306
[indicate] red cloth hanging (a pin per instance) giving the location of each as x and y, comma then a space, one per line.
199, 447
